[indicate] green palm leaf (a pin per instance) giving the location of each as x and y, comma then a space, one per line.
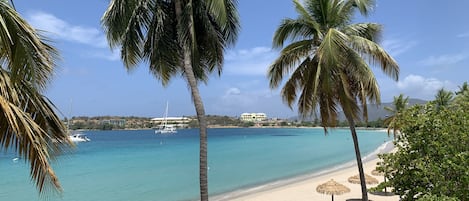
28, 123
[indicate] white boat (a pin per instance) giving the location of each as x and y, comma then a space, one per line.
166, 128
79, 137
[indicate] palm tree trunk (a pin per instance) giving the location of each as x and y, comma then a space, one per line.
358, 156
199, 108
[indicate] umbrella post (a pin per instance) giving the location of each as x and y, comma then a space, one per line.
385, 190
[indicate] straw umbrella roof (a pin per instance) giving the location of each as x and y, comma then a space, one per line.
377, 173
368, 179
332, 188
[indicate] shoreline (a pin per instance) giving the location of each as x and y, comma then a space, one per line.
295, 185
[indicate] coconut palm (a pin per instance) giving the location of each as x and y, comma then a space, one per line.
399, 105
326, 62
443, 98
175, 37
463, 88
28, 123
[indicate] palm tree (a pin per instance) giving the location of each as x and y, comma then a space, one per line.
463, 88
443, 98
28, 123
176, 37
327, 63
399, 103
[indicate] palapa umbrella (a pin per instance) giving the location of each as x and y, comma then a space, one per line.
377, 173
332, 188
368, 179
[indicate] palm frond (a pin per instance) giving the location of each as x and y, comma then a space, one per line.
331, 50
30, 126
225, 15
376, 55
289, 57
23, 51
370, 31
364, 6
291, 29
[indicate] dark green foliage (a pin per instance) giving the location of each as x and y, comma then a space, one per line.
433, 153
437, 198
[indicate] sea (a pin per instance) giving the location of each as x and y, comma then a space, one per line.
139, 165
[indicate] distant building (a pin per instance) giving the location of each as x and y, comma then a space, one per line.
176, 121
254, 117
115, 122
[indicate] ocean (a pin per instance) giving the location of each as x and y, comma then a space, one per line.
143, 166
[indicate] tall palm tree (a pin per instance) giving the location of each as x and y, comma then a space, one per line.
443, 98
327, 63
175, 37
28, 123
400, 104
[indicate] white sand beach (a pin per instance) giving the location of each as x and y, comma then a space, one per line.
305, 189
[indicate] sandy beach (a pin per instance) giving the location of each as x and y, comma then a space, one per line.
304, 188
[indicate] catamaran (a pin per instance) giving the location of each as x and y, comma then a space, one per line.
164, 128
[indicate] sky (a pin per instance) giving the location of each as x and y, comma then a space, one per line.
428, 39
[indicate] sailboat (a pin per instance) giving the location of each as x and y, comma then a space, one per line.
164, 128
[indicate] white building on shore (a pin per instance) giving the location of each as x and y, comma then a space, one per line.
254, 117
180, 122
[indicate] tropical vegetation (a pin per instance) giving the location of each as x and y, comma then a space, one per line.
432, 156
28, 123
327, 61
176, 37
443, 98
399, 105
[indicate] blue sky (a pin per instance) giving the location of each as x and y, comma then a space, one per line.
429, 40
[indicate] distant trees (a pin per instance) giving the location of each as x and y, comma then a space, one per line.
443, 98
399, 105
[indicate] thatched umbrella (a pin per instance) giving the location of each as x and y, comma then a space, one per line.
377, 173
332, 188
368, 179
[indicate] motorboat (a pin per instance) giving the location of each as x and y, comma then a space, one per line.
79, 137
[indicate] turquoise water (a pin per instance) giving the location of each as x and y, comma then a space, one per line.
143, 166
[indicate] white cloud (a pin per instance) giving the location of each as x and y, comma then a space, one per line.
60, 29
463, 35
417, 86
396, 47
232, 91
110, 56
444, 59
254, 61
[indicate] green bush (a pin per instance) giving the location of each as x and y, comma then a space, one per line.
433, 153
437, 198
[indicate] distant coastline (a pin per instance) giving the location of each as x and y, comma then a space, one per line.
213, 121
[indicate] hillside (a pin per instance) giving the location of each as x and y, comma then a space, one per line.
376, 111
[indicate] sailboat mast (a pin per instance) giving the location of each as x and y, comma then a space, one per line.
166, 114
